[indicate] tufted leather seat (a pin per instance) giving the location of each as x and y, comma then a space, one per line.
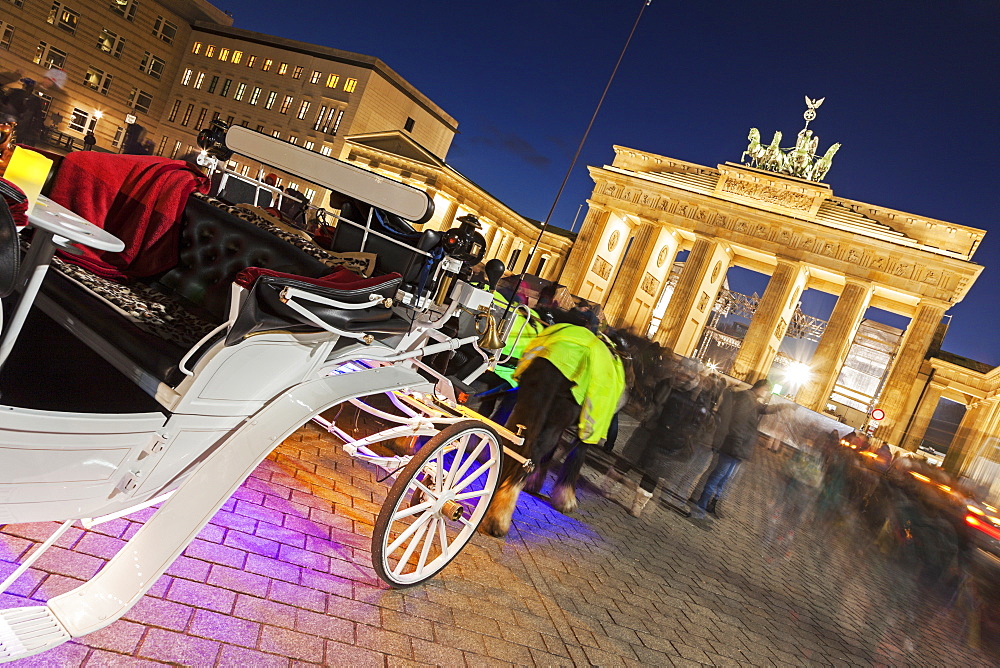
215, 245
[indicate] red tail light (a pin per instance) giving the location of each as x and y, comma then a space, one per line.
987, 529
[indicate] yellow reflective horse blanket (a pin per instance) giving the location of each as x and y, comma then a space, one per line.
597, 374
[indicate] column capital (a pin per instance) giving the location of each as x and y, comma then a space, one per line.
930, 302
859, 282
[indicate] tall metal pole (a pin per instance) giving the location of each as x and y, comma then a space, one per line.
545, 223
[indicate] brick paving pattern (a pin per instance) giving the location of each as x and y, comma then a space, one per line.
282, 576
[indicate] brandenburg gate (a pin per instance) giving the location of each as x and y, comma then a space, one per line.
771, 215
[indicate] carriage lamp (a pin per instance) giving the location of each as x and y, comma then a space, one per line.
28, 170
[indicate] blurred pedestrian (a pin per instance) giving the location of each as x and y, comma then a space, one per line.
89, 140
747, 408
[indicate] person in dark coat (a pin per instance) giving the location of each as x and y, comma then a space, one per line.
738, 445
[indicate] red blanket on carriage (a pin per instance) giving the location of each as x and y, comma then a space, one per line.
140, 199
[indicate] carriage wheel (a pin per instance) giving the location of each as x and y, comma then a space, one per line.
436, 503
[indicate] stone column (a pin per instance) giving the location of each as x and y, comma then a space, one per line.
897, 398
770, 321
584, 248
975, 429
835, 343
631, 272
694, 296
922, 415
448, 219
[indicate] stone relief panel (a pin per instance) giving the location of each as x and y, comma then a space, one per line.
779, 329
703, 302
661, 257
716, 270
784, 237
829, 249
765, 193
650, 284
613, 240
601, 267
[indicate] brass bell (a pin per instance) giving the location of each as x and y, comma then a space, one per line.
489, 337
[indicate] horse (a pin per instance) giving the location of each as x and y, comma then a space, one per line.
773, 159
755, 150
822, 166
548, 402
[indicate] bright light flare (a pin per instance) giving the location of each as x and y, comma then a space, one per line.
797, 374
920, 476
975, 523
974, 510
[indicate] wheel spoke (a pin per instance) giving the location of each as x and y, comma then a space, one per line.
461, 445
470, 495
443, 535
413, 510
428, 541
409, 531
468, 462
423, 488
439, 470
471, 478
403, 560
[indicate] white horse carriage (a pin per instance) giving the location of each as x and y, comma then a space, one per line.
288, 351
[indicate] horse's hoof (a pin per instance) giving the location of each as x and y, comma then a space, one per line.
491, 527
563, 499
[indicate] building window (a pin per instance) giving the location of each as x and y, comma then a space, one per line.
246, 170
213, 84
513, 259
270, 99
187, 115
126, 8
78, 121
49, 56
309, 145
315, 76
63, 18
196, 48
97, 79
251, 60
331, 81
336, 125
319, 117
165, 30
199, 80
117, 139
297, 72
6, 35
210, 51
303, 109
350, 85
109, 42
282, 69
162, 146
224, 55
240, 90
266, 67
229, 121
225, 87
276, 134
216, 115
326, 150
152, 65
292, 139
177, 149
285, 104
328, 121
16, 3
140, 100
408, 125
173, 111
310, 193
201, 118
254, 95
260, 128
237, 57
186, 79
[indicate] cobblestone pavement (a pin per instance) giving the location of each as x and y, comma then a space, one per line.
282, 576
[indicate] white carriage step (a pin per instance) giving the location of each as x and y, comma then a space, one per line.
27, 631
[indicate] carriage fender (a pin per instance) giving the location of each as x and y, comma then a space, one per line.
122, 582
